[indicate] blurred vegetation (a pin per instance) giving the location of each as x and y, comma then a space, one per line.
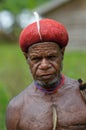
74, 64
13, 68
4, 98
16, 6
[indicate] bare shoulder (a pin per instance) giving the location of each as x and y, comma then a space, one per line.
76, 88
71, 83
17, 101
13, 113
14, 109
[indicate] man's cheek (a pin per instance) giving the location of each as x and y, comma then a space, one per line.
33, 71
56, 66
31, 65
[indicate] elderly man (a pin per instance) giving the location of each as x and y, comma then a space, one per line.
53, 101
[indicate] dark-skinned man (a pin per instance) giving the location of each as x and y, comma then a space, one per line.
53, 101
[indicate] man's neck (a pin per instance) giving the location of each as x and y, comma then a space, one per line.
50, 88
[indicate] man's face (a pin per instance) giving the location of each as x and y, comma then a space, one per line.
45, 60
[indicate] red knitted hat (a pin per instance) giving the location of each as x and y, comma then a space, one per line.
50, 31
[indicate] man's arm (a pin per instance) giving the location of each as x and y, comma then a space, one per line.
12, 116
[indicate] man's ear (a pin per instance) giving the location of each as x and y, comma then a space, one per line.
62, 52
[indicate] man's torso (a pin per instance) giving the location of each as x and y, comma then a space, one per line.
37, 109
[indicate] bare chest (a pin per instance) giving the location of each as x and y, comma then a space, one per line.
37, 114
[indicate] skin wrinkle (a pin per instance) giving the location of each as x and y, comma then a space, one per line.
40, 62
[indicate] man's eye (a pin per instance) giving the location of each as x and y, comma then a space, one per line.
35, 58
52, 57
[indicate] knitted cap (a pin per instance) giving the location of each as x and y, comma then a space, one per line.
49, 31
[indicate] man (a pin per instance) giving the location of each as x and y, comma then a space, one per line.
53, 101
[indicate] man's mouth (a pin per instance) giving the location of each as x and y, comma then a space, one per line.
46, 76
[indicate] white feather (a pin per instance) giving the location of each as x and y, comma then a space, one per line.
38, 24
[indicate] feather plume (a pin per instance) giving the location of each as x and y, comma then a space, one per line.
38, 24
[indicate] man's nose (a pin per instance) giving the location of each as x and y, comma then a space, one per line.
44, 64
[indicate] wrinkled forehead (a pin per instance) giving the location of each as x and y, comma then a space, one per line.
44, 46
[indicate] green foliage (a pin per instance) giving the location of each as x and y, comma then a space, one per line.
74, 64
14, 5
14, 69
35, 3
4, 97
17, 5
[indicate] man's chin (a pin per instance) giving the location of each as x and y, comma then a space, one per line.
47, 82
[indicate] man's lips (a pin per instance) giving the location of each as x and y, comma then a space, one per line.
46, 76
